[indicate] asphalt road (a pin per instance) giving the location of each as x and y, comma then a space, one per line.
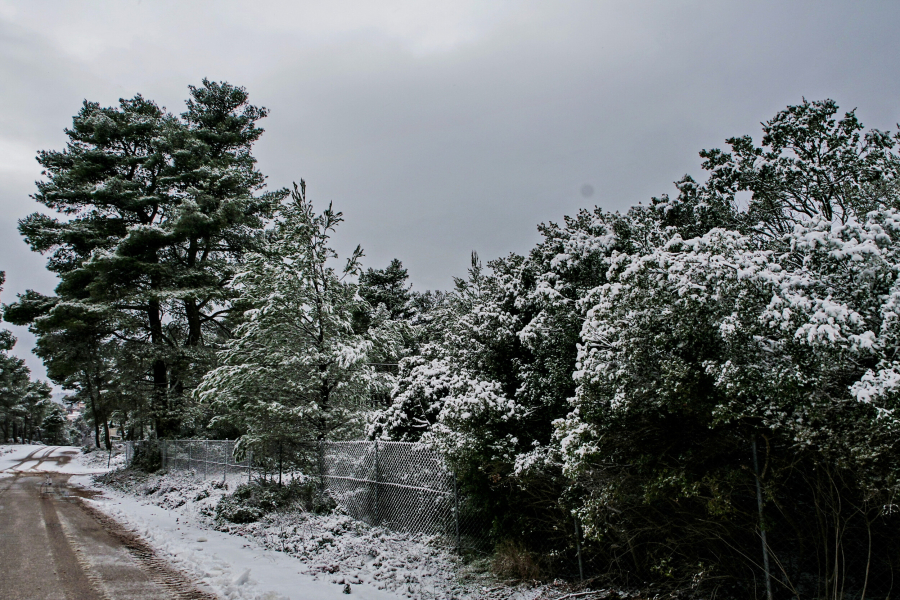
54, 546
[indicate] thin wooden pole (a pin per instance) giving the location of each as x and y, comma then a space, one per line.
762, 526
578, 547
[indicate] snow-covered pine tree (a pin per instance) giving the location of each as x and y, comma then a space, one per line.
296, 370
159, 211
23, 402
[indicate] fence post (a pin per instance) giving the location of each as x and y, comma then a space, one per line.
578, 547
375, 518
762, 526
206, 461
190, 456
249, 465
456, 514
321, 466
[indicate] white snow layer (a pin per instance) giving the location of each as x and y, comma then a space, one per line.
290, 555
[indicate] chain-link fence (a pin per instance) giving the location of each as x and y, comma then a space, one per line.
399, 485
402, 486
209, 459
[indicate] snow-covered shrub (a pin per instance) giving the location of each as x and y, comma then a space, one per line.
776, 333
147, 457
250, 501
665, 344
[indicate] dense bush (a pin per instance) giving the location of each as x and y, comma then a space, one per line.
147, 457
623, 370
250, 501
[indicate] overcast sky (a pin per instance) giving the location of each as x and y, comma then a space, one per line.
439, 128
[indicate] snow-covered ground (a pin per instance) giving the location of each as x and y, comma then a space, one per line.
289, 555
325, 553
230, 566
36, 458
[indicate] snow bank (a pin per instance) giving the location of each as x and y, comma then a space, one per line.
291, 554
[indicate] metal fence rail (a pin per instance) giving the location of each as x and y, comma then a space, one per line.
206, 458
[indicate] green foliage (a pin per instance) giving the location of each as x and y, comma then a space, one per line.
157, 213
147, 457
387, 287
55, 426
23, 402
778, 324
296, 369
251, 501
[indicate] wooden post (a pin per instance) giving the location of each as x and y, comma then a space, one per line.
578, 547
762, 526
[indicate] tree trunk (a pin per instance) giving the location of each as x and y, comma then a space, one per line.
193, 316
191, 307
106, 433
160, 379
95, 408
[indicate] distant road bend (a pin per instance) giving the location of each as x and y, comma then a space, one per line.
54, 546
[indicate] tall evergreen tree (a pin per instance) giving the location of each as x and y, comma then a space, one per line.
388, 286
77, 343
297, 370
159, 210
23, 402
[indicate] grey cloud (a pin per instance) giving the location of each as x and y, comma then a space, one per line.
435, 150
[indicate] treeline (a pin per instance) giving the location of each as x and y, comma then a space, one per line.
672, 382
709, 382
26, 410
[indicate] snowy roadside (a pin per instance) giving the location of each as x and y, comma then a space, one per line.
227, 565
285, 555
295, 555
29, 458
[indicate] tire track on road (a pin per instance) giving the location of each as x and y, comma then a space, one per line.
62, 548
76, 575
174, 580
